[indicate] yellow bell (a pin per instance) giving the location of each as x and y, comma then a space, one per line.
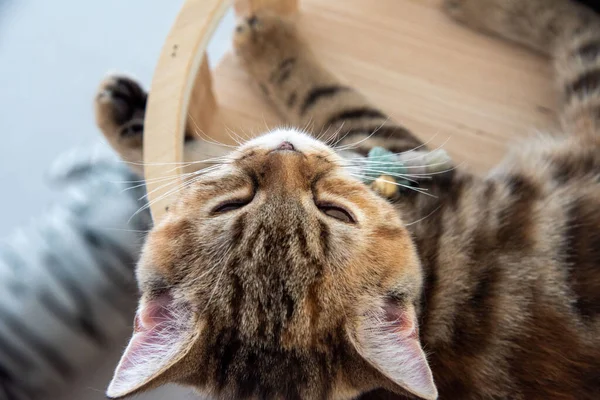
385, 186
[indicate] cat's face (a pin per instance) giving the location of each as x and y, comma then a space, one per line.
278, 275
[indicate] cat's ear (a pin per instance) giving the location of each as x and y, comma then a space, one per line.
387, 336
162, 337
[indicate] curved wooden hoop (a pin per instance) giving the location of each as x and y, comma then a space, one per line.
182, 78
181, 58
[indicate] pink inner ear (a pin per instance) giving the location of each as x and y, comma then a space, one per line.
150, 328
401, 321
158, 341
153, 312
389, 339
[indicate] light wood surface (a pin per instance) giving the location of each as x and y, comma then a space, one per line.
203, 109
454, 88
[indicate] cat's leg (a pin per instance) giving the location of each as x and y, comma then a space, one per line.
562, 29
120, 107
306, 94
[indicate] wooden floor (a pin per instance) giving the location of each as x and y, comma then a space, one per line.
470, 93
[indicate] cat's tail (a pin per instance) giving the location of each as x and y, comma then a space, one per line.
577, 62
562, 29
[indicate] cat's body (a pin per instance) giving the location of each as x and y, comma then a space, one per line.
506, 288
512, 273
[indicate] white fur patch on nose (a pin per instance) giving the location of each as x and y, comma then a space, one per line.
298, 139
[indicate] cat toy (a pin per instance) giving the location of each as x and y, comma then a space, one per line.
388, 172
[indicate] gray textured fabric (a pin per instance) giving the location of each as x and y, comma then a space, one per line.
67, 289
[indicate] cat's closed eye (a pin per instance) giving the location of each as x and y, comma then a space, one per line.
337, 212
231, 205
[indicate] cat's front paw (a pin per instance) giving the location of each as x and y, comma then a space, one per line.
266, 43
120, 106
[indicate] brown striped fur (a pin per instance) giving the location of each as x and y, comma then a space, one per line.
504, 270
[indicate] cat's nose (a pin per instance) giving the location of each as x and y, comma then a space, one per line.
286, 146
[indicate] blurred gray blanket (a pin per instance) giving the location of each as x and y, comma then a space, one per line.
67, 289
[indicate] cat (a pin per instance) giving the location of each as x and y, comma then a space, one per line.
280, 275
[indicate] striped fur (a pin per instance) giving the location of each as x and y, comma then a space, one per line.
68, 273
506, 282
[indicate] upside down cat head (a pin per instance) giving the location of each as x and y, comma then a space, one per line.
278, 275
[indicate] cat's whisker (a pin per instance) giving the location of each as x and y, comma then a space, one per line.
158, 180
208, 139
419, 190
224, 159
203, 136
331, 140
319, 137
428, 174
327, 136
126, 230
265, 122
154, 163
391, 163
136, 181
420, 154
161, 187
177, 189
247, 135
332, 136
306, 127
181, 167
240, 140
424, 144
235, 137
182, 164
137, 186
425, 217
195, 175
377, 173
323, 136
333, 156
356, 144
213, 163
341, 138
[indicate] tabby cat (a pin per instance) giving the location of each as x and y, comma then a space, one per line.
280, 275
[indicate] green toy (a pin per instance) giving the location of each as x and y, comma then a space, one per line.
385, 171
